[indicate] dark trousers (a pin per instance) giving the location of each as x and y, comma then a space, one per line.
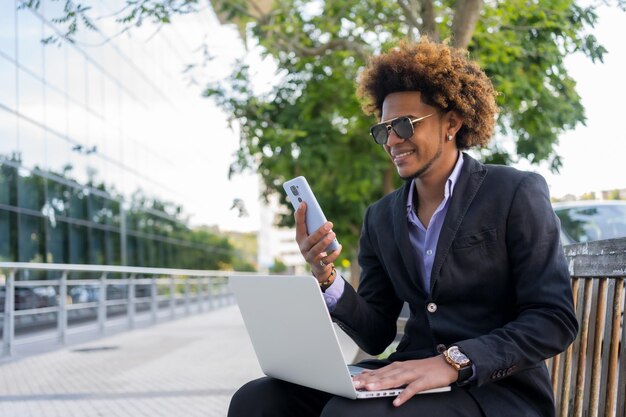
269, 397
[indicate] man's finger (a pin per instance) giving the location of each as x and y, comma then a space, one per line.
409, 392
300, 216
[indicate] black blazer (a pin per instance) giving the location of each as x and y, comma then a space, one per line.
500, 287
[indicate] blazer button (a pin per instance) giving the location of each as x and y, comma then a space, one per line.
431, 307
441, 348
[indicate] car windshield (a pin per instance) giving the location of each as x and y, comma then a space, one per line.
593, 222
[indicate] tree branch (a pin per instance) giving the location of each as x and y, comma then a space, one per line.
291, 45
412, 9
464, 22
410, 15
429, 26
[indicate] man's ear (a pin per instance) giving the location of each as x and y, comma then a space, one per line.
455, 121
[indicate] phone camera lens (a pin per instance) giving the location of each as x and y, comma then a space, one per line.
299, 200
294, 190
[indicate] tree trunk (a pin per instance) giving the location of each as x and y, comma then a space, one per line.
465, 18
429, 25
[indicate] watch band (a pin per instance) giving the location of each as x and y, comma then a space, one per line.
465, 374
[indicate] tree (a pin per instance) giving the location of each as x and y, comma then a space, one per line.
311, 124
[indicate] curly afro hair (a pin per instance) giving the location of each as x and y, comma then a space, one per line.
446, 79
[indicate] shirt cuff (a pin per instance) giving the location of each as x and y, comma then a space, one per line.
334, 293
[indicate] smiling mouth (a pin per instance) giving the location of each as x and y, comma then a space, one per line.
401, 156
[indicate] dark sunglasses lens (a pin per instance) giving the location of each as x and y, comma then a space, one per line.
380, 133
403, 127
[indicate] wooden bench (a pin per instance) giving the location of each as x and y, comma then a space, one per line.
589, 379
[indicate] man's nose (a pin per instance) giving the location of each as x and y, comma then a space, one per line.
393, 138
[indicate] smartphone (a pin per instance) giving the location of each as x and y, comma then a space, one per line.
298, 190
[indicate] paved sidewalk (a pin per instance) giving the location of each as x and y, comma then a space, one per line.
185, 367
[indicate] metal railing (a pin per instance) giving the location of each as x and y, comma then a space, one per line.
63, 294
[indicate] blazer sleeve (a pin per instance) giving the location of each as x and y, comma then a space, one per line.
369, 316
545, 323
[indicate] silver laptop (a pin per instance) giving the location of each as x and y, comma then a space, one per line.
293, 336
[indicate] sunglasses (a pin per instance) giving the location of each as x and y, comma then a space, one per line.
402, 126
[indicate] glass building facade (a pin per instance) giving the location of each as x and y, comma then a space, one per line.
78, 173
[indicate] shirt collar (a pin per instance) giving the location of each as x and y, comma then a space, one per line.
448, 189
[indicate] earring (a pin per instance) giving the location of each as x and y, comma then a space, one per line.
450, 137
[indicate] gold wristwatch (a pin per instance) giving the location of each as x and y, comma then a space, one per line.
459, 361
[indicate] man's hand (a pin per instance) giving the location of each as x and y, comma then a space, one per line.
312, 245
417, 375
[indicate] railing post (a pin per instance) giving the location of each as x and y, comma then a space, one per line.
8, 332
131, 301
209, 293
187, 294
102, 304
62, 317
200, 297
153, 300
223, 293
172, 296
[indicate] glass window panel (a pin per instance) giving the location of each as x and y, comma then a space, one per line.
32, 145
7, 23
8, 134
8, 230
58, 198
95, 93
97, 246
132, 256
29, 36
58, 242
8, 185
8, 87
59, 157
30, 90
115, 210
78, 203
31, 239
77, 126
114, 249
55, 66
76, 87
78, 244
144, 252
51, 9
56, 111
30, 190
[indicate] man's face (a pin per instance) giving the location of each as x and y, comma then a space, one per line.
416, 156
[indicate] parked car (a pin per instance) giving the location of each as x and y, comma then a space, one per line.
585, 221
27, 298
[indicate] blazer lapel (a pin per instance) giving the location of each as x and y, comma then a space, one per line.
472, 175
401, 234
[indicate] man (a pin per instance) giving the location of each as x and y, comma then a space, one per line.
473, 249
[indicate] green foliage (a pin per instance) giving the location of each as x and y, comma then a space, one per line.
522, 46
278, 268
614, 195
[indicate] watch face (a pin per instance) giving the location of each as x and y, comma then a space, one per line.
457, 356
